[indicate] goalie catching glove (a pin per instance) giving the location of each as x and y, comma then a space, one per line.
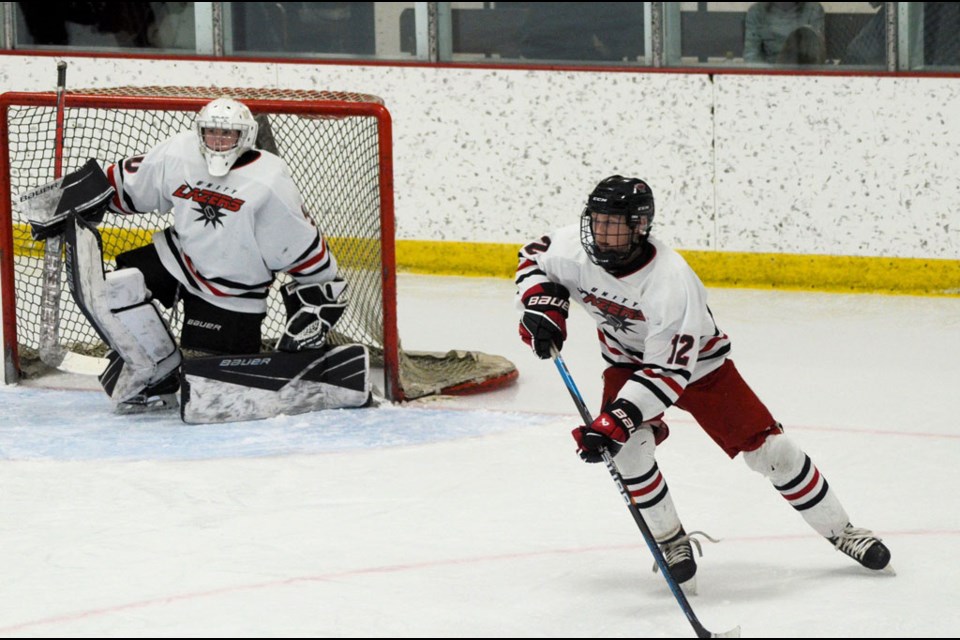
312, 309
609, 431
85, 192
544, 321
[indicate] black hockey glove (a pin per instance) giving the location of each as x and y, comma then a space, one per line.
609, 431
312, 309
85, 192
544, 321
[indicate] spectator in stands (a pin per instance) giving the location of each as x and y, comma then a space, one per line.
770, 23
803, 46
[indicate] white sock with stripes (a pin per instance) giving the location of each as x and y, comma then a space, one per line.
798, 480
643, 480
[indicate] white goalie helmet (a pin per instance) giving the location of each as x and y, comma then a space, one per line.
215, 126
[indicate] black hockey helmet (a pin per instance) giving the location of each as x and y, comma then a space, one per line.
627, 198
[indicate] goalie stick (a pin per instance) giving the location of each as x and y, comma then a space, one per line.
635, 511
51, 351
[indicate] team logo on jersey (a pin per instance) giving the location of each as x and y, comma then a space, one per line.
615, 315
212, 205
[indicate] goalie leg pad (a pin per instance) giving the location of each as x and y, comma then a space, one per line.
264, 385
118, 307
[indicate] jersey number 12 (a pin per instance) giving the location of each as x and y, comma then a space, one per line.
681, 346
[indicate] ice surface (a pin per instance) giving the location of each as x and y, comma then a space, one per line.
473, 517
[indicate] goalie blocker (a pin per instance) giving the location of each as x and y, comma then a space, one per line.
263, 385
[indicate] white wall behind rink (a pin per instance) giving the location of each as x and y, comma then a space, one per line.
861, 166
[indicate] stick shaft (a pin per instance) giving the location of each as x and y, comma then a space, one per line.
51, 351
631, 503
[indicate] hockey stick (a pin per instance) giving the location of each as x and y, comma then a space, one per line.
51, 351
635, 511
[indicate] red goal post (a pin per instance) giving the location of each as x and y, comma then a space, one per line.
339, 148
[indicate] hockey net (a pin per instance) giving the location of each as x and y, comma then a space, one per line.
338, 147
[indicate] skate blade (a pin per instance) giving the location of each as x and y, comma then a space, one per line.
689, 587
733, 633
166, 402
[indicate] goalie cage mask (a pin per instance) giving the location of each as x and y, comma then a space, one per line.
616, 196
231, 115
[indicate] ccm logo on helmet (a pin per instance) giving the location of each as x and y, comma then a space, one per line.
549, 301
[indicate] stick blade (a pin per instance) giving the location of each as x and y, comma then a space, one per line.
733, 633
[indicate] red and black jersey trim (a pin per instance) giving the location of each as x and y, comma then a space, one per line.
722, 352
168, 236
233, 284
617, 347
311, 261
200, 282
117, 182
653, 388
683, 373
531, 272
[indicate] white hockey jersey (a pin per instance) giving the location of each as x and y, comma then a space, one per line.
655, 318
230, 234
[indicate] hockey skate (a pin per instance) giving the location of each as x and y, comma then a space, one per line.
161, 396
864, 547
678, 552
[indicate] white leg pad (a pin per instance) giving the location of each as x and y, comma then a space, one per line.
146, 346
638, 466
119, 308
125, 288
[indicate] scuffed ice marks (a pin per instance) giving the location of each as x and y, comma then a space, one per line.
42, 424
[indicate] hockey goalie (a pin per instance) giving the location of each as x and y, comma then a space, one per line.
238, 222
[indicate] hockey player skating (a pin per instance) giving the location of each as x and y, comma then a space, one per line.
238, 220
662, 348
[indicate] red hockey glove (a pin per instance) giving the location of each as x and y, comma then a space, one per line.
544, 320
609, 431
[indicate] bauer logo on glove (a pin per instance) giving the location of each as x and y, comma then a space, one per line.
544, 321
609, 431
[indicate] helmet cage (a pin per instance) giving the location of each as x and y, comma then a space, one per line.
629, 198
230, 115
614, 258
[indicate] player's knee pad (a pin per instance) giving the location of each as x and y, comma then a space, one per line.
119, 308
778, 458
637, 456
